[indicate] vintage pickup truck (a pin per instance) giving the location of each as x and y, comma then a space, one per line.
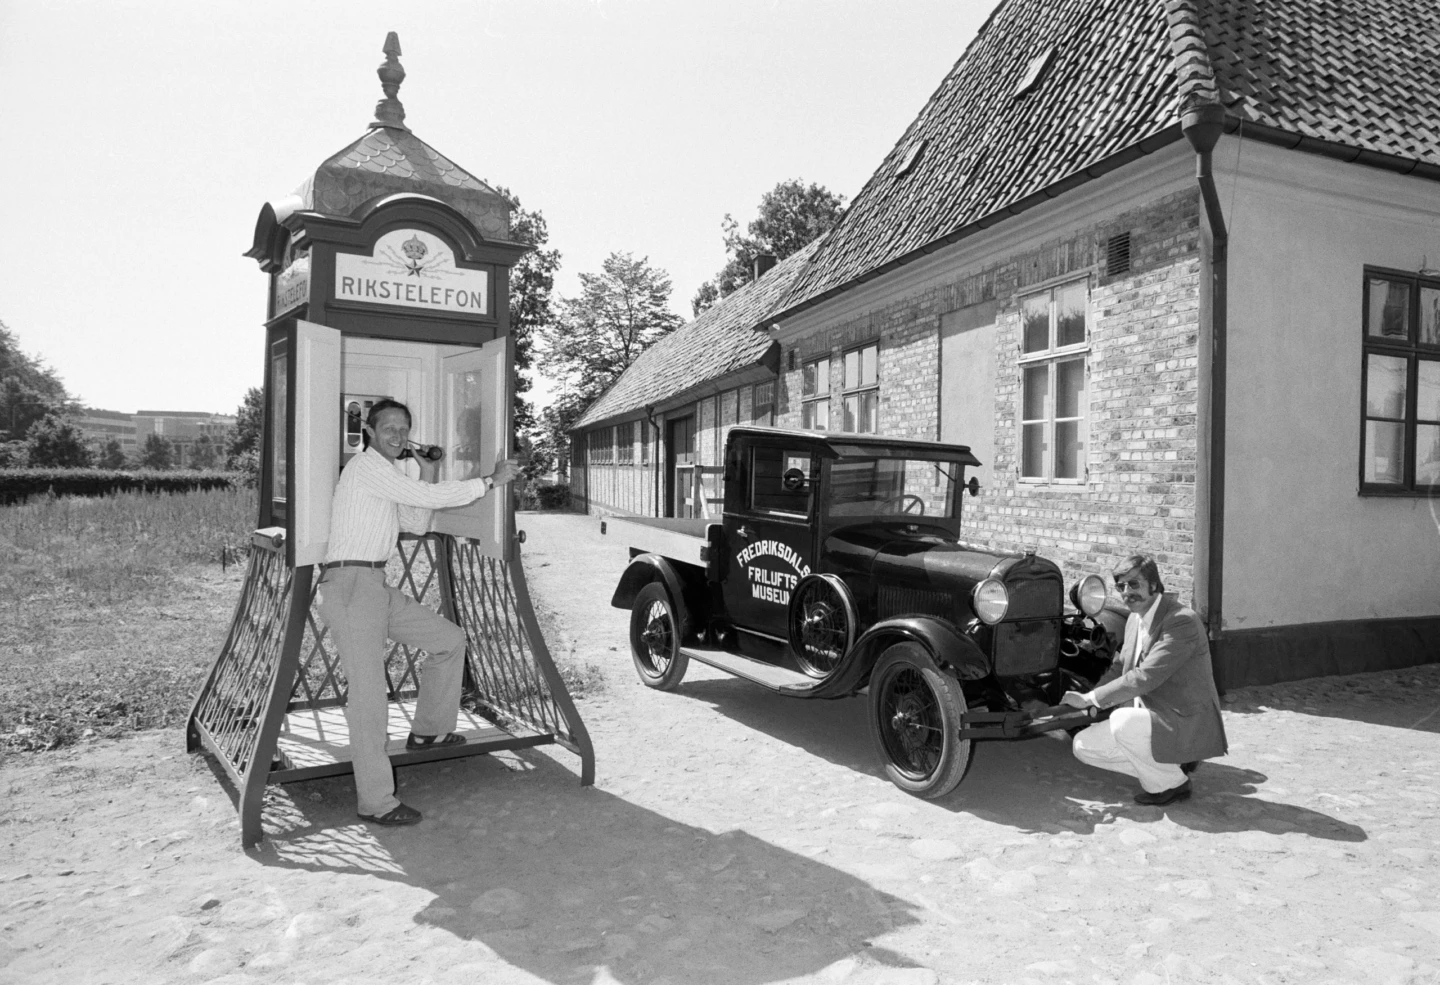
838, 567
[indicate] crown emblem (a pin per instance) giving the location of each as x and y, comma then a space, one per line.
414, 248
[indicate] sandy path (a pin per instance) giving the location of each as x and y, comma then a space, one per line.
738, 837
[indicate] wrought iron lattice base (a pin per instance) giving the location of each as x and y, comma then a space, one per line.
271, 709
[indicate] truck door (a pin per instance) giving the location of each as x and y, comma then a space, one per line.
769, 532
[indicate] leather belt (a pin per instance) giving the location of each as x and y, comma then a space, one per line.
351, 564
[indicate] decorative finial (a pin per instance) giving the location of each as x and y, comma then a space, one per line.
388, 111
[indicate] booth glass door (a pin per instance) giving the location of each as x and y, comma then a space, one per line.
475, 410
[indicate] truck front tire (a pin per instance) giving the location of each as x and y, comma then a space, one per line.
655, 635
915, 711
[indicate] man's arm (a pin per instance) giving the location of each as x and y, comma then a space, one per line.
416, 520
1177, 641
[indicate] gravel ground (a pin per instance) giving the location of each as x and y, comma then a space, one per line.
734, 836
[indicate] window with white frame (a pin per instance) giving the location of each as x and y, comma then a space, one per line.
645, 431
1054, 347
862, 389
815, 395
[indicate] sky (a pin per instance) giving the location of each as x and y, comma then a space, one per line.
145, 136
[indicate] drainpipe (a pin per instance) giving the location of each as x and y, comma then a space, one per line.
1202, 126
655, 458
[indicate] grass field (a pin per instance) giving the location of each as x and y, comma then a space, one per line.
113, 609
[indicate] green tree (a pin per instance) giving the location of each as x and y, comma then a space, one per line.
619, 314
157, 453
532, 307
790, 216
112, 456
249, 419
54, 442
204, 454
29, 390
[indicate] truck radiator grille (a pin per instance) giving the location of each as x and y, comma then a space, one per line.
903, 601
1026, 647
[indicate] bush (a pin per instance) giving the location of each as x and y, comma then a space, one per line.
552, 496
17, 485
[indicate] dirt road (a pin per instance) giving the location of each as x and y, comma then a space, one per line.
737, 837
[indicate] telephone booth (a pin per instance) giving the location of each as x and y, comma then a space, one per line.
389, 276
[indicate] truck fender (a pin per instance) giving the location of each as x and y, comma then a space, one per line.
1113, 617
643, 569
952, 650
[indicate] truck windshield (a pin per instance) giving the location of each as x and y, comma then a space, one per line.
891, 486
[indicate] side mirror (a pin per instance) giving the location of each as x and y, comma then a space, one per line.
792, 480
973, 486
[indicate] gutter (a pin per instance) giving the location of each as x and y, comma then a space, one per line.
655, 464
1202, 126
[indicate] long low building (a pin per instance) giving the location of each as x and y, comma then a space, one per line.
1171, 268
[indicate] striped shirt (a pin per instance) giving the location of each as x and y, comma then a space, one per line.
375, 500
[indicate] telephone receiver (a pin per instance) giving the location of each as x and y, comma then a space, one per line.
432, 453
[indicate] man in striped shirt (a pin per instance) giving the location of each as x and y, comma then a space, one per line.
374, 501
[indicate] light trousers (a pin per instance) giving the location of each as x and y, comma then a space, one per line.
1121, 744
361, 612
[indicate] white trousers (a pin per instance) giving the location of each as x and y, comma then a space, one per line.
1121, 744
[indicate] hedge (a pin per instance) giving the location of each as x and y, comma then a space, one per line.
17, 485
552, 496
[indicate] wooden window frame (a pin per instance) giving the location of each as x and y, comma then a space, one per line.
861, 388
814, 401
1051, 358
625, 443
1415, 352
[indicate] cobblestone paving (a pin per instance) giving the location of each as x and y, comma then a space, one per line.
736, 837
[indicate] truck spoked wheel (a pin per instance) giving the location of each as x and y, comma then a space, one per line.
655, 634
822, 624
915, 721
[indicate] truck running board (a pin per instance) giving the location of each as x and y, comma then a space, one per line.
762, 673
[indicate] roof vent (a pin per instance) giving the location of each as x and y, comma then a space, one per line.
912, 157
1117, 255
1035, 72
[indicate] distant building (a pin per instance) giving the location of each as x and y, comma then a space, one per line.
184, 429
100, 426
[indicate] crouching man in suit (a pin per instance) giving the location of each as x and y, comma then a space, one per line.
1166, 713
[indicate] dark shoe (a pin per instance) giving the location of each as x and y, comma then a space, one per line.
426, 741
1182, 792
1190, 766
394, 818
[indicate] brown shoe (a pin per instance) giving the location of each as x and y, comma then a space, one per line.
427, 741
1182, 792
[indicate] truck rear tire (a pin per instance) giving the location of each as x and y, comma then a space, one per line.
655, 635
915, 712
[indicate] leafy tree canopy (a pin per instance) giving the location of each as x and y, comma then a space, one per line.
791, 215
157, 453
112, 456
619, 314
29, 390
53, 442
249, 418
532, 308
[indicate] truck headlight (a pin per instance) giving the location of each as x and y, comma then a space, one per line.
992, 600
1089, 596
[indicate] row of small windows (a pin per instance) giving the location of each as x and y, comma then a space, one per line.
616, 445
1400, 395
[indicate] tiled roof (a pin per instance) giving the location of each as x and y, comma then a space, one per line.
725, 338
388, 161
1356, 74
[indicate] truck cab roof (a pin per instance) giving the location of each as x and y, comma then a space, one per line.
838, 444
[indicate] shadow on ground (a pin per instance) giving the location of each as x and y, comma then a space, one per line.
561, 880
1031, 785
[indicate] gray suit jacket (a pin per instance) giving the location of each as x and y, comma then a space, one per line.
1174, 677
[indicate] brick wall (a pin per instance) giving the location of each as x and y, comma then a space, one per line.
1142, 392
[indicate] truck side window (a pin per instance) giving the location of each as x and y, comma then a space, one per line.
774, 485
